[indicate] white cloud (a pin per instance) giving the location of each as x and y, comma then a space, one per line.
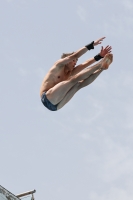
128, 4
97, 111
9, 1
23, 3
114, 162
112, 194
23, 72
129, 116
128, 80
38, 72
120, 22
117, 162
81, 13
121, 25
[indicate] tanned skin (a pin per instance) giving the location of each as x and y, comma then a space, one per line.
64, 78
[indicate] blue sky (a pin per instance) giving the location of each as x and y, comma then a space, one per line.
83, 151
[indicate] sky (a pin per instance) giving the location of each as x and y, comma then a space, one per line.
84, 150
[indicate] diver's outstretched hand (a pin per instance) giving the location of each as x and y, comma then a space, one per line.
105, 51
99, 41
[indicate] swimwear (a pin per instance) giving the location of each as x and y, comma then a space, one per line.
47, 103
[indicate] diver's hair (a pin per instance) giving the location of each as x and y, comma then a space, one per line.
66, 54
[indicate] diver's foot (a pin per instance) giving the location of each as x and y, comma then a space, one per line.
107, 60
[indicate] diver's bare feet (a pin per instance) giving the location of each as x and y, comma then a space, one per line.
107, 60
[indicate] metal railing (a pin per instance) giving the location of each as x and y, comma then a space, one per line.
26, 194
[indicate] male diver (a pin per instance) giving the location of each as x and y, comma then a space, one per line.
64, 79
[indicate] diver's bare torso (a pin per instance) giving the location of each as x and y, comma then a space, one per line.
53, 77
64, 79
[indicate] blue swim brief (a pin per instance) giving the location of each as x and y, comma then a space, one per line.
47, 103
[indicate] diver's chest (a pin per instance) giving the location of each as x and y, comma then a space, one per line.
62, 76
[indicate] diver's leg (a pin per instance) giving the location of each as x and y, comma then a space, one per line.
59, 91
90, 79
78, 86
